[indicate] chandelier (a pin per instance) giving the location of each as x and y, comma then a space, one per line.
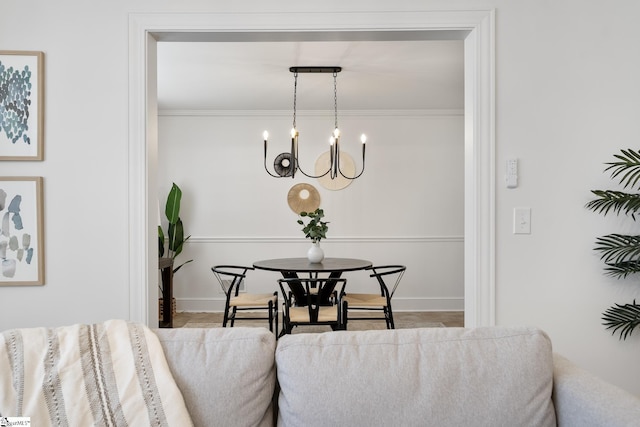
286, 164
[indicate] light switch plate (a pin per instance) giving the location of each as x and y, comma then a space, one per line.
511, 176
522, 221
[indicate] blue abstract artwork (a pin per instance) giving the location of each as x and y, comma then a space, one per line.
21, 105
20, 233
15, 101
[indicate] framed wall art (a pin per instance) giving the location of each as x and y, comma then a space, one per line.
21, 231
21, 105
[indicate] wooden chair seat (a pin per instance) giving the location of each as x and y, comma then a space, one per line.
365, 300
301, 314
251, 300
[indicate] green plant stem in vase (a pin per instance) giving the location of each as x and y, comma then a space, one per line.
316, 230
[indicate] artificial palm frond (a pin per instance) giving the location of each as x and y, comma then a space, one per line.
624, 318
616, 200
628, 167
620, 253
618, 248
622, 269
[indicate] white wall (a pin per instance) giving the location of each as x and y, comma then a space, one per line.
567, 95
407, 208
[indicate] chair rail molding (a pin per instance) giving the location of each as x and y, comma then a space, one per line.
339, 239
475, 27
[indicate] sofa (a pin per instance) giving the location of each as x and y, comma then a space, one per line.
493, 376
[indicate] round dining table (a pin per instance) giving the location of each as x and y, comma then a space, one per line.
302, 265
290, 267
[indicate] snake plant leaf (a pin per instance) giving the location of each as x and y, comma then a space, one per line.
627, 169
618, 248
623, 318
172, 208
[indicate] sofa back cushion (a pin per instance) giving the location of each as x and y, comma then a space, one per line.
417, 377
226, 375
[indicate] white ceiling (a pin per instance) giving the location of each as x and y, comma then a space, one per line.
254, 75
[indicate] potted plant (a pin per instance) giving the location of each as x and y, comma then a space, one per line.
316, 230
174, 239
620, 253
175, 229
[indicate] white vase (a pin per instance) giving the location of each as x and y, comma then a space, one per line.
315, 254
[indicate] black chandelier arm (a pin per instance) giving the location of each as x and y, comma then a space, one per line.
265, 157
265, 168
351, 177
313, 176
361, 172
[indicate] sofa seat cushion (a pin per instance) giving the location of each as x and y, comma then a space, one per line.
417, 377
226, 375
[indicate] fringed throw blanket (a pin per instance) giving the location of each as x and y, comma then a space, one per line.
108, 374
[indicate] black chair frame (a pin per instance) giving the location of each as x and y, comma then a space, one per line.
311, 300
327, 295
236, 275
379, 272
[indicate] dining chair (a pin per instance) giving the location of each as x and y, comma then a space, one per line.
328, 294
310, 311
381, 301
231, 278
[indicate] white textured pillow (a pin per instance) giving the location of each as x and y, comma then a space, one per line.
417, 377
226, 375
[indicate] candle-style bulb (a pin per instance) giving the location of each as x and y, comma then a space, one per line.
363, 138
336, 133
265, 134
332, 140
293, 132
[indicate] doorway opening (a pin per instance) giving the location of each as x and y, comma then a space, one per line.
474, 27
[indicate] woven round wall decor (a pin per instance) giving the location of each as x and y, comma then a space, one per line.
303, 198
283, 165
347, 166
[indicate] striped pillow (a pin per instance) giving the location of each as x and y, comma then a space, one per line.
112, 374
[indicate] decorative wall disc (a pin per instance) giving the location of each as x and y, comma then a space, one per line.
283, 164
347, 166
303, 198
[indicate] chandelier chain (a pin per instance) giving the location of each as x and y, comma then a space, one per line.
295, 93
335, 98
